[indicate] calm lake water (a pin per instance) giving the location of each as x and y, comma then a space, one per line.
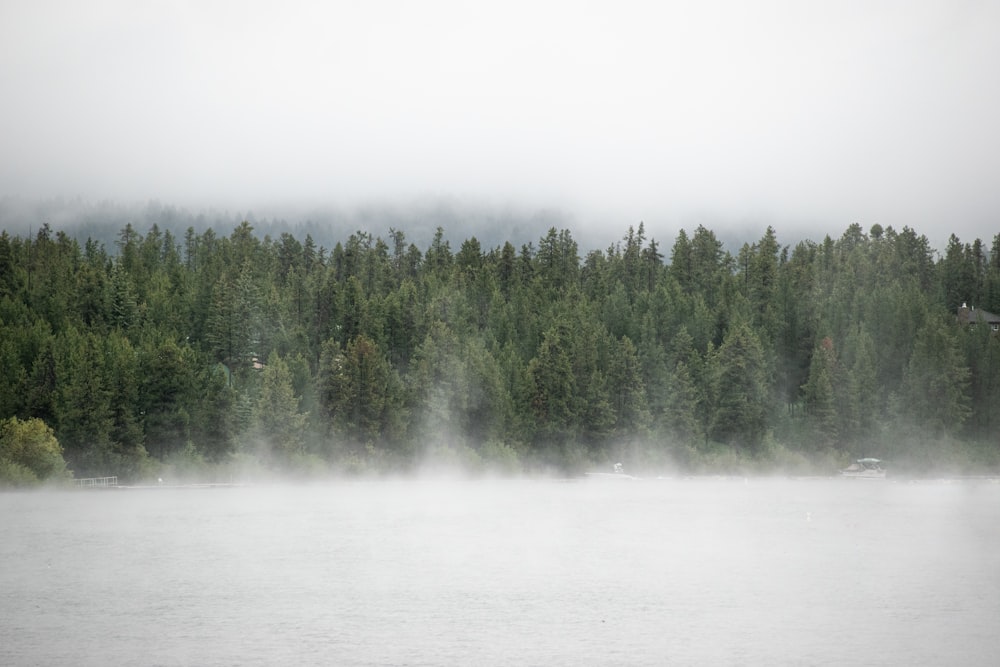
650, 572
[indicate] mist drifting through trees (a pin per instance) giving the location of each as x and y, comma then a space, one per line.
202, 353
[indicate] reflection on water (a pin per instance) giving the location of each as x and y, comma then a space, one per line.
545, 572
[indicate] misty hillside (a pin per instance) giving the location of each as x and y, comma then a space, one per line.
200, 349
103, 221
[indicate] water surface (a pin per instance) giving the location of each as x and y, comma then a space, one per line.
651, 572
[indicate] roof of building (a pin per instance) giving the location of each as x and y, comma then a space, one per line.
973, 315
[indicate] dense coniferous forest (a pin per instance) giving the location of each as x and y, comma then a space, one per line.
209, 354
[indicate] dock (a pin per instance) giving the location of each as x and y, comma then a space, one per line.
97, 482
112, 483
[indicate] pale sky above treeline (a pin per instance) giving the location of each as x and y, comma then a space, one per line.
808, 116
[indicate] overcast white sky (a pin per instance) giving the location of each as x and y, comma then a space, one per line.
800, 114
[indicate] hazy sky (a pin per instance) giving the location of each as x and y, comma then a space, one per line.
798, 113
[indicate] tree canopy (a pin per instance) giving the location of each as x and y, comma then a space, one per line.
375, 354
29, 452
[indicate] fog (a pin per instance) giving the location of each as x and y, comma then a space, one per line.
807, 117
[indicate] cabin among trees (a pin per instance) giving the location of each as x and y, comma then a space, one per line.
972, 316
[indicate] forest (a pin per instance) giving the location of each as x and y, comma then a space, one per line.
229, 356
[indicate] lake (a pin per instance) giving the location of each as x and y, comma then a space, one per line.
645, 572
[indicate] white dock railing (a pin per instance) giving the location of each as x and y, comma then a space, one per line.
102, 482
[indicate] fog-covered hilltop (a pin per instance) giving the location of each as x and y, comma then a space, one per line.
207, 348
103, 221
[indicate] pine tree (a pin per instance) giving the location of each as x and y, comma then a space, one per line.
742, 390
553, 384
818, 394
935, 388
279, 426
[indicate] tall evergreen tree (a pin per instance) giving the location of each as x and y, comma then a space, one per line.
740, 376
279, 426
818, 393
935, 389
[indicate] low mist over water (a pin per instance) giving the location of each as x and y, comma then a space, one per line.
645, 572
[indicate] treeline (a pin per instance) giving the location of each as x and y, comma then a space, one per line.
377, 355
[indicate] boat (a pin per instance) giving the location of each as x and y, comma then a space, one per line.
865, 469
619, 473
